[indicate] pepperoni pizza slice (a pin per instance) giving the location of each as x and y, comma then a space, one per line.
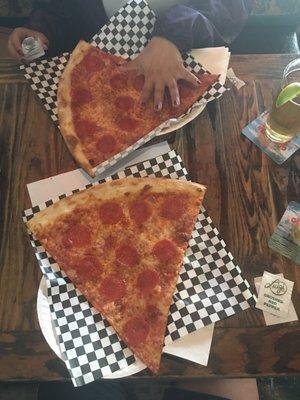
99, 106
122, 243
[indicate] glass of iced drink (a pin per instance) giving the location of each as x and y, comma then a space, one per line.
284, 119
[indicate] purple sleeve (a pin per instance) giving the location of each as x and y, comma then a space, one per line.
203, 23
65, 22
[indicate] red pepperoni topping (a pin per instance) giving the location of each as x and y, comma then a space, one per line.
80, 95
110, 212
109, 242
136, 331
138, 82
173, 207
106, 144
183, 229
78, 236
124, 103
85, 128
113, 288
89, 267
147, 280
127, 123
165, 251
152, 314
140, 211
93, 62
118, 81
127, 255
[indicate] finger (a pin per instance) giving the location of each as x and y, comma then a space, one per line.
189, 77
147, 91
174, 93
44, 40
159, 91
16, 42
13, 52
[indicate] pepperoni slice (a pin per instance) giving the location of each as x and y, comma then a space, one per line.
80, 95
89, 267
165, 251
93, 62
127, 255
138, 82
127, 123
152, 313
110, 212
147, 280
110, 242
186, 89
106, 144
118, 81
124, 103
140, 211
113, 288
78, 236
173, 207
85, 128
183, 229
136, 331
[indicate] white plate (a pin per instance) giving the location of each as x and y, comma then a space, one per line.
48, 330
185, 120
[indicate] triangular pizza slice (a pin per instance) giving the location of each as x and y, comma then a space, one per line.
122, 243
99, 106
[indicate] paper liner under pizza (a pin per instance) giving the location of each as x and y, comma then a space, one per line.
122, 244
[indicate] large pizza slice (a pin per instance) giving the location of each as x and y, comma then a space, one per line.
122, 243
99, 106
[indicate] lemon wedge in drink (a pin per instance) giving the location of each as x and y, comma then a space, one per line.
288, 93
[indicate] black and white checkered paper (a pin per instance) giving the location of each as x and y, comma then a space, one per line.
126, 34
210, 288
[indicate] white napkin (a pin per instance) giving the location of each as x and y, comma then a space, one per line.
271, 319
214, 59
193, 347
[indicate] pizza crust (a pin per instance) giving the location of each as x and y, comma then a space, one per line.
64, 108
111, 190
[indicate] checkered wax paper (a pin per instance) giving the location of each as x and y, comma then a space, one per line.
126, 34
210, 288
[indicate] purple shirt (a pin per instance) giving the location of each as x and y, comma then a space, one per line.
201, 23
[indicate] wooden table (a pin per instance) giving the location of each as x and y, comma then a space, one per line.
247, 195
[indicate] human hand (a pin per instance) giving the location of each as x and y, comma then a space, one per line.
161, 64
16, 38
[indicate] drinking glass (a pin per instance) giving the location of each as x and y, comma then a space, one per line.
284, 119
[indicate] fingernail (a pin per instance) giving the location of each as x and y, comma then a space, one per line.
176, 102
158, 106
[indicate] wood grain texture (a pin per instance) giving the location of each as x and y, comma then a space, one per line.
247, 195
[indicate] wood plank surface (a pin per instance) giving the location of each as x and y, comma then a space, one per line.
247, 195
